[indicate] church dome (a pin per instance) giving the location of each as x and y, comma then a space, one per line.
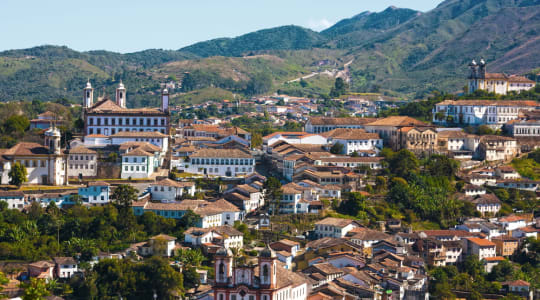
88, 85
223, 252
53, 131
165, 91
120, 85
267, 253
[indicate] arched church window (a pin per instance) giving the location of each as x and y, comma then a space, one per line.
221, 268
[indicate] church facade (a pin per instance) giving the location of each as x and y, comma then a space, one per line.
45, 164
107, 117
498, 83
266, 280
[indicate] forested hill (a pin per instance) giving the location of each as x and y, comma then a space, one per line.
398, 51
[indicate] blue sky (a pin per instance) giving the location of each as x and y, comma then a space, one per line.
129, 26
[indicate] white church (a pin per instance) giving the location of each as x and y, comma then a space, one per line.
498, 83
108, 122
45, 164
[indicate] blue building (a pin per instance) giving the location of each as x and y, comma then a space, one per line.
95, 193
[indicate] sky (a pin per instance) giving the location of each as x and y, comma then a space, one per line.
130, 26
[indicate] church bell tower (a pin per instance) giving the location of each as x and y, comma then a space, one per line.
121, 95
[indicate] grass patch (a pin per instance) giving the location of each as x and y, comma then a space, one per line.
527, 167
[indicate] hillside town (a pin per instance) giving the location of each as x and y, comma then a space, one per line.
340, 201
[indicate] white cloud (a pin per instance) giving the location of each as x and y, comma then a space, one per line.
319, 24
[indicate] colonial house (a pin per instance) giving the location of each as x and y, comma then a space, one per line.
289, 246
108, 118
458, 144
355, 141
494, 148
138, 164
267, 280
246, 197
155, 138
160, 244
65, 267
44, 120
293, 138
393, 129
220, 162
95, 193
520, 184
223, 236
82, 162
494, 113
168, 190
523, 128
486, 204
480, 247
324, 124
211, 214
45, 164
499, 83
417, 139
334, 227
505, 245
14, 199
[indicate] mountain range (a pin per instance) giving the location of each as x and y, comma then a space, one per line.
399, 52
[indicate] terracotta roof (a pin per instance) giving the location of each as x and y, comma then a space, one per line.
516, 283
447, 232
221, 153
137, 152
95, 135
65, 261
4, 194
494, 258
81, 150
339, 121
292, 188
520, 79
481, 242
25, 148
173, 183
107, 106
350, 134
366, 234
486, 199
350, 159
335, 222
141, 134
42, 264
397, 121
47, 114
146, 146
512, 218
164, 237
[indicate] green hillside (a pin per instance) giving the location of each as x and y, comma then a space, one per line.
397, 51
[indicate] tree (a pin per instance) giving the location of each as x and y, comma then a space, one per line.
354, 204
189, 219
380, 184
36, 289
17, 174
256, 140
273, 193
337, 148
16, 125
441, 165
340, 88
124, 195
403, 163
303, 83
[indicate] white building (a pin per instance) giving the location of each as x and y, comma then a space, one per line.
108, 118
498, 83
497, 148
137, 164
355, 141
334, 227
168, 190
293, 138
511, 223
95, 193
225, 236
219, 162
494, 113
65, 267
324, 124
155, 138
520, 128
480, 247
82, 162
246, 197
44, 164
161, 244
14, 199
